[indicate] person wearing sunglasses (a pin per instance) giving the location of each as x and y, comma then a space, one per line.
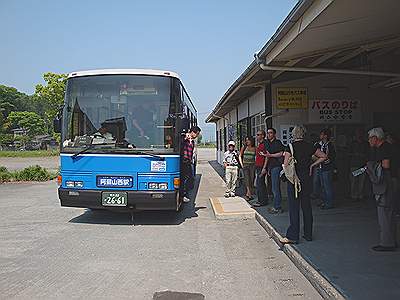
261, 170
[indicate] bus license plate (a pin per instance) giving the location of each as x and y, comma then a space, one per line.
114, 198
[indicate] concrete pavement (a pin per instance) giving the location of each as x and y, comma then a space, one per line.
17, 163
341, 250
53, 252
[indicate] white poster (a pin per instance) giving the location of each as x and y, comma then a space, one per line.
158, 166
334, 111
286, 136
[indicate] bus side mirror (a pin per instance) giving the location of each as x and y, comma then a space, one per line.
57, 124
58, 120
182, 125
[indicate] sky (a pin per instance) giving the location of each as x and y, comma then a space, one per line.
209, 43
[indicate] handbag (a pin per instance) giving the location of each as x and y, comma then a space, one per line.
290, 172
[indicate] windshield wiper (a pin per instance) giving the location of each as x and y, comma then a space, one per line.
91, 146
149, 153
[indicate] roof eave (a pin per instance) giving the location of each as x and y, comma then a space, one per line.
286, 25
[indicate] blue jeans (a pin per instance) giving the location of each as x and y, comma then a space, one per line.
317, 189
325, 179
276, 186
261, 187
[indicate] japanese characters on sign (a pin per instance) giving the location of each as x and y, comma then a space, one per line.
288, 97
334, 111
158, 166
114, 181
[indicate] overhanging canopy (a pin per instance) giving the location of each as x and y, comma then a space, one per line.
334, 34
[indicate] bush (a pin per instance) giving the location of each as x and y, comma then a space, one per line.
5, 175
33, 173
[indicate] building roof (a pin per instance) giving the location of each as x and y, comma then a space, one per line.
320, 34
123, 72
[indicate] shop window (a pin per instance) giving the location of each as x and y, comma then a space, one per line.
257, 123
241, 132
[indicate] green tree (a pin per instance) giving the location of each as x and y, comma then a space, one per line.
28, 120
50, 97
13, 100
6, 138
199, 139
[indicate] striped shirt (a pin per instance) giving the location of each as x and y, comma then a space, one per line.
188, 147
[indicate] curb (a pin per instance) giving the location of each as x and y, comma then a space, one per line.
326, 289
221, 214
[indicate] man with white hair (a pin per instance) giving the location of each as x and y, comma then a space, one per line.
382, 176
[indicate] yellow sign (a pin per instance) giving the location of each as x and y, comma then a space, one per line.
287, 97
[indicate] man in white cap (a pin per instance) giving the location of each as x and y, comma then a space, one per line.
231, 163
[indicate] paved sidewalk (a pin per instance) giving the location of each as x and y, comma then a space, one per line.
341, 251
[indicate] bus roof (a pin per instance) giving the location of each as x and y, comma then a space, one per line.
123, 72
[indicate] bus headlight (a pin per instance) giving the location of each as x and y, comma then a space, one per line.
158, 186
79, 184
163, 186
74, 184
70, 184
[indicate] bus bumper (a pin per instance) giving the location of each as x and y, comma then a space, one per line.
137, 200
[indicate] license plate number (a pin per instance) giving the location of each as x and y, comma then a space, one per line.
114, 198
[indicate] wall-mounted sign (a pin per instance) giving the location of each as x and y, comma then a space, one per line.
286, 136
288, 97
334, 111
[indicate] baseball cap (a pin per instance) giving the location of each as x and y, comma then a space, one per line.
231, 143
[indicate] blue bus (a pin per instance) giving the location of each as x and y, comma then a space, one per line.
121, 133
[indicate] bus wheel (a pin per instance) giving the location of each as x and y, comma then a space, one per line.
180, 209
179, 202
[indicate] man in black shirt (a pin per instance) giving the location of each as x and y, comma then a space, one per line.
384, 186
274, 154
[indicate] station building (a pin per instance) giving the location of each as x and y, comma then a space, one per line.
330, 64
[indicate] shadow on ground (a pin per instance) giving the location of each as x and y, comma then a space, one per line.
143, 217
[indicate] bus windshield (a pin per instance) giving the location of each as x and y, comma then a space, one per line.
119, 113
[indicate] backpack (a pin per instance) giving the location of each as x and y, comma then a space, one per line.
290, 172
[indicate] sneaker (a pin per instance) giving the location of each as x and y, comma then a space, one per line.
226, 195
232, 195
273, 210
256, 204
186, 199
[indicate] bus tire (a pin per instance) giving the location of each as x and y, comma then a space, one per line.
179, 202
180, 208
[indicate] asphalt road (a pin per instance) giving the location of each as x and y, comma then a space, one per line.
47, 251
